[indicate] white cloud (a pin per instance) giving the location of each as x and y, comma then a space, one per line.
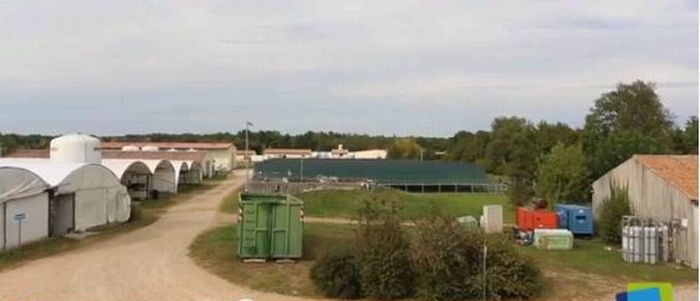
524, 57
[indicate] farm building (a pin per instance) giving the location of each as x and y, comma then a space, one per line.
663, 188
289, 153
196, 162
370, 154
53, 199
223, 155
158, 175
410, 175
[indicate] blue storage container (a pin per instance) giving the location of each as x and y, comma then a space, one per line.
577, 219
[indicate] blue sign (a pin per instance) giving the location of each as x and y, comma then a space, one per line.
20, 216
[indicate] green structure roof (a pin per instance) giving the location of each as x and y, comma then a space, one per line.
382, 171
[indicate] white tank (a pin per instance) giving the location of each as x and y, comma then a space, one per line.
172, 150
76, 148
191, 150
130, 148
150, 148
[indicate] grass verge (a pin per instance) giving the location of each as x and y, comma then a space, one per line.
592, 257
215, 251
345, 203
230, 203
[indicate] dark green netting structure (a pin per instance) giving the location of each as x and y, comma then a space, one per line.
397, 172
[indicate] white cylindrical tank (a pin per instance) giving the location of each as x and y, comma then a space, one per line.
130, 148
150, 148
76, 148
172, 150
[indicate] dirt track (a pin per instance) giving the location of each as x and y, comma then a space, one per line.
148, 264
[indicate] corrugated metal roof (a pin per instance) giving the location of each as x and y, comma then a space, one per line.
679, 171
287, 151
168, 145
196, 156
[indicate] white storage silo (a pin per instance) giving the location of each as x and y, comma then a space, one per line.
76, 148
150, 148
130, 148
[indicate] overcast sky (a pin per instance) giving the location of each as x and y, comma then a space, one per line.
377, 67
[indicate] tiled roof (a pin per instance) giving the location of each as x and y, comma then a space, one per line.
245, 153
198, 157
168, 145
287, 151
679, 171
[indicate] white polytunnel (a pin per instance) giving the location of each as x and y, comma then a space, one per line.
188, 172
149, 175
23, 199
79, 196
164, 176
133, 174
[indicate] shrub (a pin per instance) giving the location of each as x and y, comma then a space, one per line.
449, 259
384, 253
509, 274
442, 260
612, 210
336, 274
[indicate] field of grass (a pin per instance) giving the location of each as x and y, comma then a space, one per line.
345, 203
149, 211
215, 250
230, 203
592, 257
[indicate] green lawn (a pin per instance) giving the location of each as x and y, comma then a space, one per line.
345, 203
230, 203
592, 257
215, 250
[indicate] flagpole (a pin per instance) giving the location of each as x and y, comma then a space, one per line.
245, 157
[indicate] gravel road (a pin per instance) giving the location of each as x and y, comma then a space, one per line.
147, 264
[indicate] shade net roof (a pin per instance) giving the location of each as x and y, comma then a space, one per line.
381, 171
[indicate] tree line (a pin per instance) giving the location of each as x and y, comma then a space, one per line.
562, 161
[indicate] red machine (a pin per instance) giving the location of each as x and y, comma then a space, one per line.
529, 219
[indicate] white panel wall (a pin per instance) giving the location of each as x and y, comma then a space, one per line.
90, 208
2, 226
36, 224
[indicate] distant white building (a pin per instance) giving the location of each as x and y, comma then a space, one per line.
370, 154
288, 153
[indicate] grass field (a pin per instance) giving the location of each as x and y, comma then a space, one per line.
592, 257
215, 250
150, 211
345, 203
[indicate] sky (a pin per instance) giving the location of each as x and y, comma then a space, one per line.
428, 68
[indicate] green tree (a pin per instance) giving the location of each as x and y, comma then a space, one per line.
512, 150
686, 139
624, 122
613, 208
404, 148
562, 174
547, 135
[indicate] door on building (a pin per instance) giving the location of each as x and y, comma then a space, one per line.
61, 214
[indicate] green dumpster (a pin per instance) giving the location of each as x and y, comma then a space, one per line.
270, 227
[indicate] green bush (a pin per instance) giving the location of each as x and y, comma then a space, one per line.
509, 274
441, 253
449, 259
384, 253
336, 274
612, 210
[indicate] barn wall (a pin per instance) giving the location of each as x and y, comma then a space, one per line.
653, 197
